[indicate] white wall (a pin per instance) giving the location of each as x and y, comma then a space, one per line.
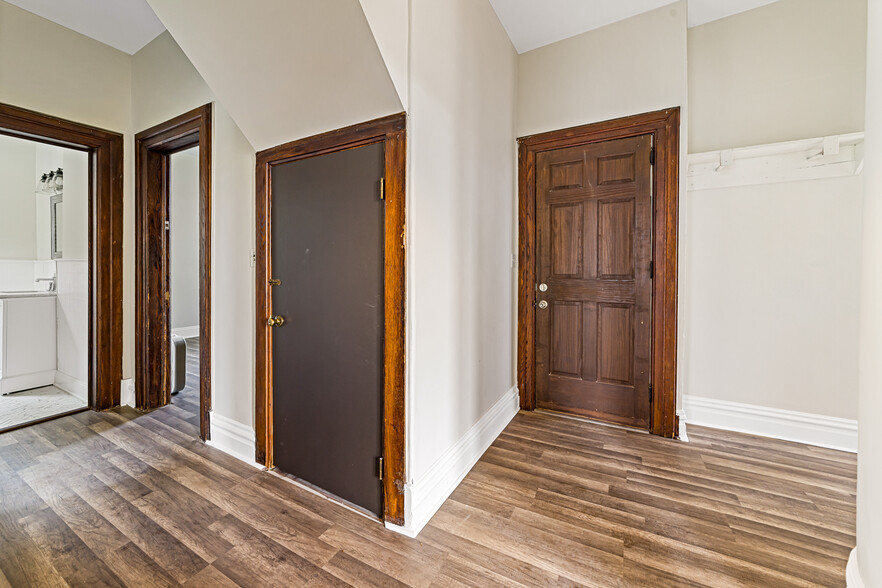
869, 483
461, 283
72, 315
790, 70
17, 199
164, 85
773, 314
75, 243
184, 238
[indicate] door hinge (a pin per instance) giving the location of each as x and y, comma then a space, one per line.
404, 237
380, 466
652, 156
651, 269
382, 188
650, 394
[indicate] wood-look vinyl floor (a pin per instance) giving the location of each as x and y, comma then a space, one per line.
121, 498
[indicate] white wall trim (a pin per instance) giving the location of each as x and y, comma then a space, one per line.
853, 572
681, 413
12, 384
807, 159
426, 495
232, 437
127, 392
788, 425
186, 332
72, 386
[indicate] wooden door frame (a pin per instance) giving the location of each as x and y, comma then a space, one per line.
390, 130
664, 126
153, 150
105, 150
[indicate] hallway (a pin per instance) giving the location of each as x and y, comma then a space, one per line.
119, 498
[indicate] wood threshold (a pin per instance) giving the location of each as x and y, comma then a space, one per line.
44, 419
105, 150
392, 131
664, 126
153, 150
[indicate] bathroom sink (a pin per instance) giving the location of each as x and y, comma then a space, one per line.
25, 293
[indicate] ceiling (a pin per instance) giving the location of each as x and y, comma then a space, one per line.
126, 25
531, 24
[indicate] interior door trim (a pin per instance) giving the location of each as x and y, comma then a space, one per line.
105, 149
153, 150
664, 126
392, 131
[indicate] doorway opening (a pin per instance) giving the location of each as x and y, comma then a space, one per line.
597, 283
330, 313
173, 266
61, 300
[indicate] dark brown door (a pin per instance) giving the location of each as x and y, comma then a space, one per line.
327, 251
594, 242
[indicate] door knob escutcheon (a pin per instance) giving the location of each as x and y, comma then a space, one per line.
275, 321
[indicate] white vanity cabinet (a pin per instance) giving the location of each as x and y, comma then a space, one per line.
27, 341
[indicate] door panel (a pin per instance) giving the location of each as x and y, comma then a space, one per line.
594, 232
327, 250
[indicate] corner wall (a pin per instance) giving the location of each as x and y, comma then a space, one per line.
461, 279
164, 85
866, 569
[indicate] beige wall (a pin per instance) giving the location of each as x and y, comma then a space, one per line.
165, 84
633, 66
773, 314
461, 210
284, 69
794, 69
72, 76
869, 482
390, 26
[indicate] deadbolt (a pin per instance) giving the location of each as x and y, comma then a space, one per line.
543, 287
543, 304
275, 321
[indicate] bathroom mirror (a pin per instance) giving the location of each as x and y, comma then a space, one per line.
56, 225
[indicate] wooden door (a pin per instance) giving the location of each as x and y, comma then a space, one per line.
327, 236
594, 248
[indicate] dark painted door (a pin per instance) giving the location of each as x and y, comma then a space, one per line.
327, 251
594, 240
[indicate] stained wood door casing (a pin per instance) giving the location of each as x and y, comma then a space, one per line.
328, 255
594, 250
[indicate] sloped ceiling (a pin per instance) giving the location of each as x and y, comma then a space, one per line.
284, 69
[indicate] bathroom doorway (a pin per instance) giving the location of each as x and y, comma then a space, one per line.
172, 258
60, 267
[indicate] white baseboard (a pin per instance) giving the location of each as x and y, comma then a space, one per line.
26, 382
232, 437
788, 425
186, 332
127, 392
426, 495
72, 386
852, 571
681, 434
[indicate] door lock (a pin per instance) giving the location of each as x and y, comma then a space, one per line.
275, 321
543, 287
273, 282
543, 304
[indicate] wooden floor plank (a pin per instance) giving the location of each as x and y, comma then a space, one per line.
125, 498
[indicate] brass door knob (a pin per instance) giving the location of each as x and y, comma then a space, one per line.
275, 321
